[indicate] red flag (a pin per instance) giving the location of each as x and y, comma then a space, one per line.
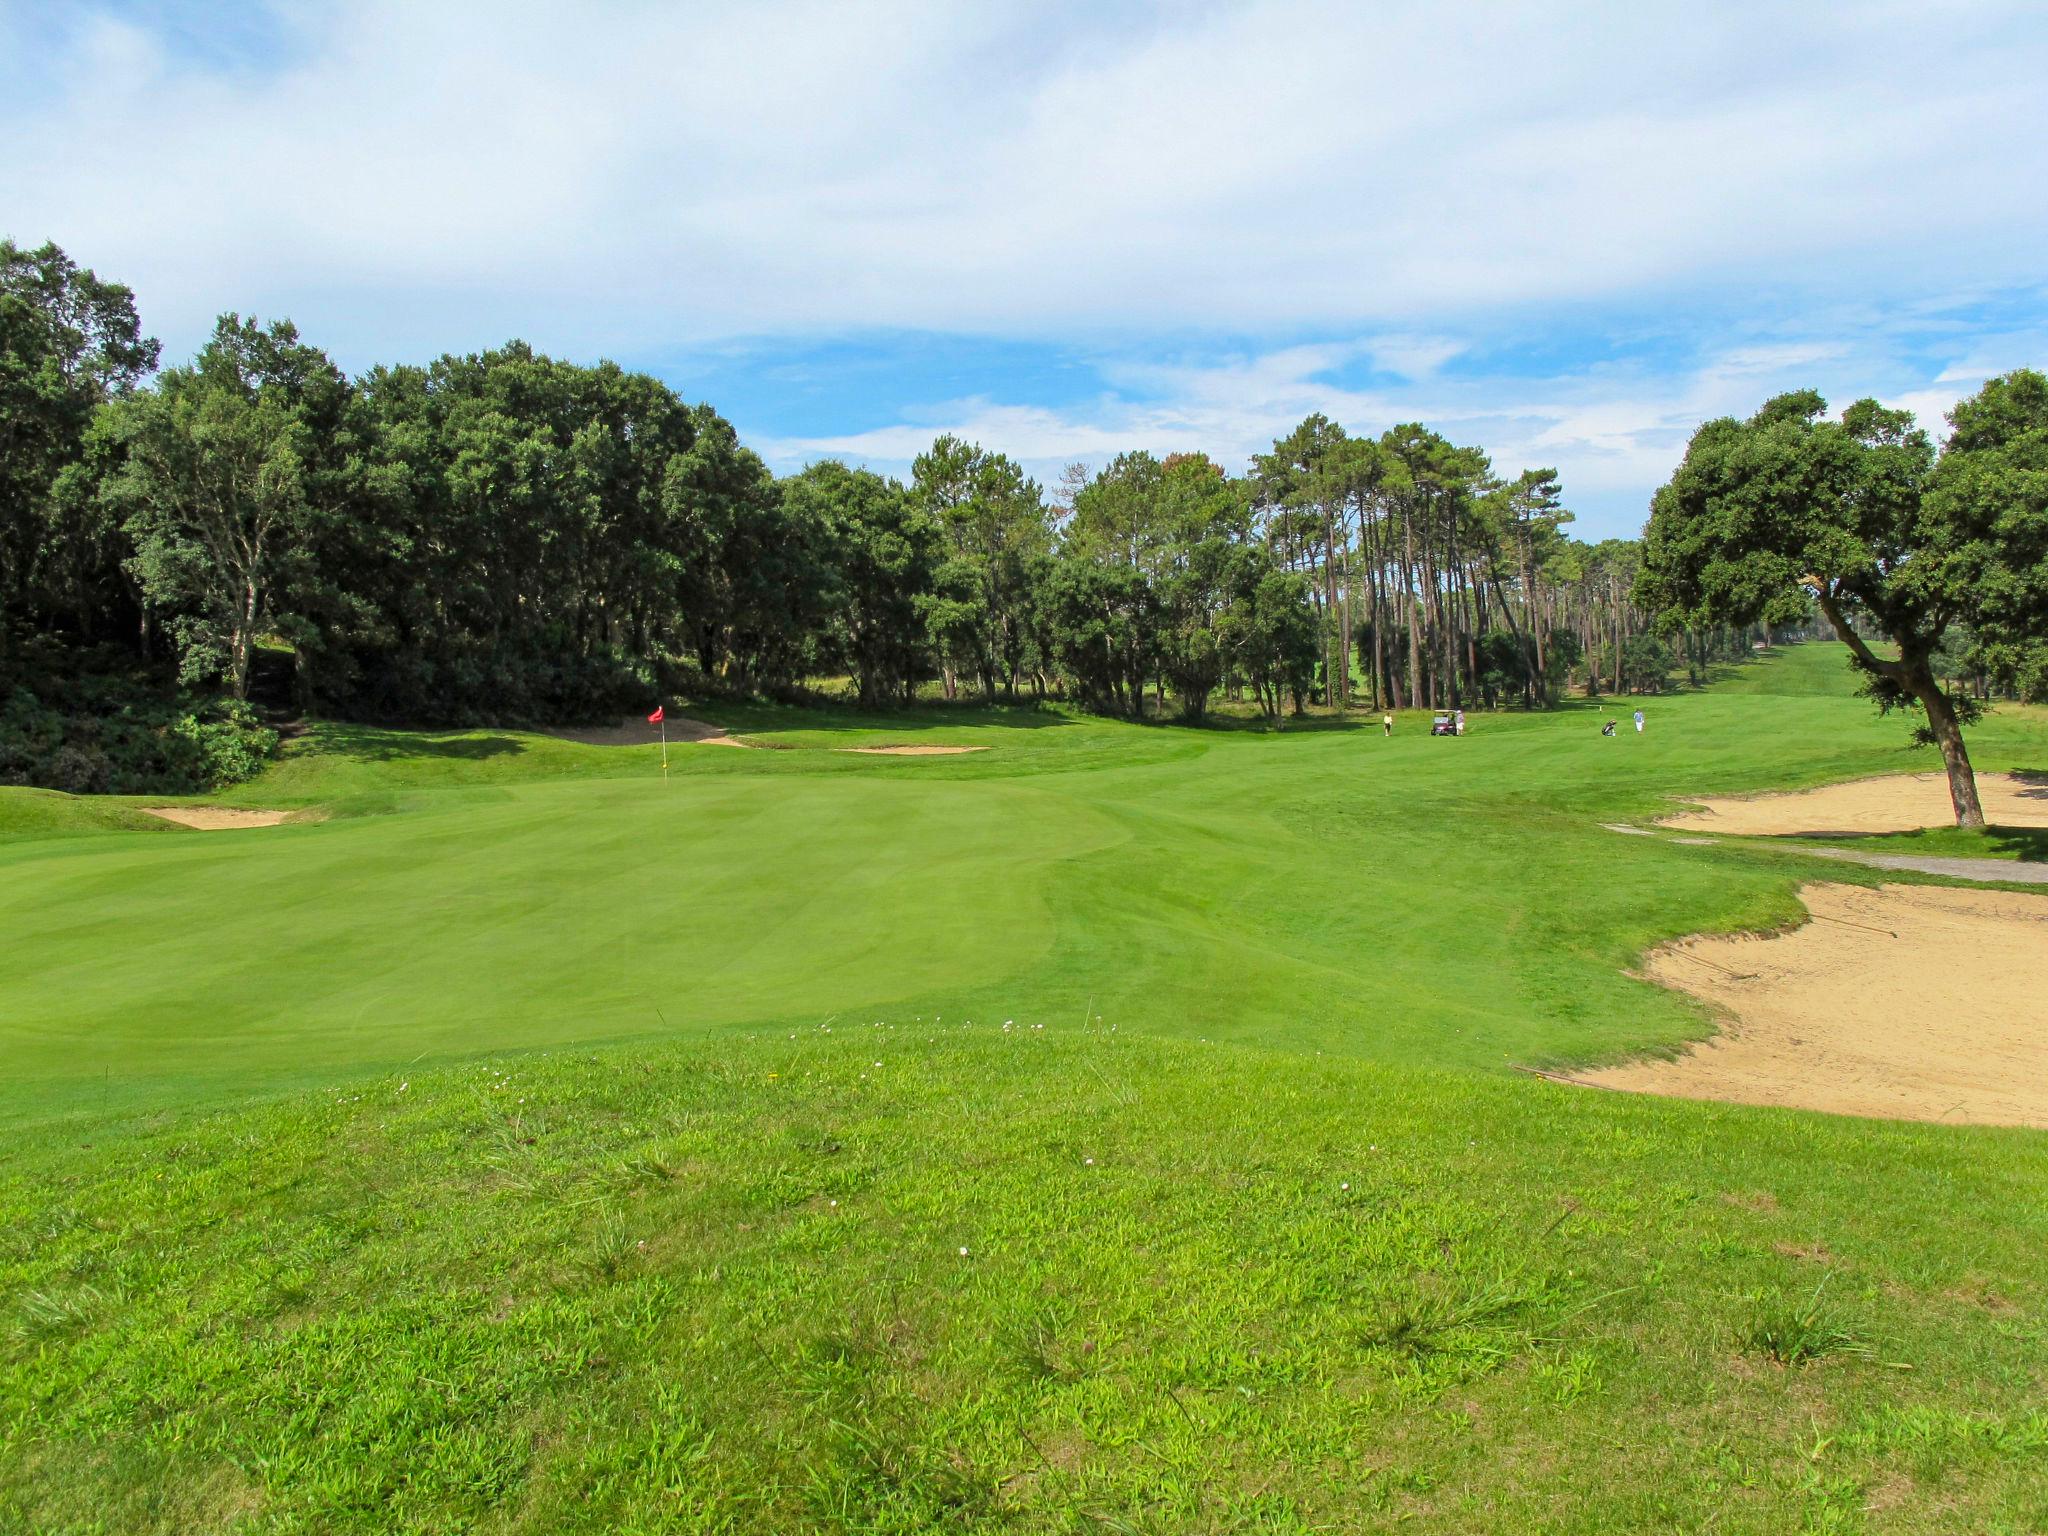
655, 718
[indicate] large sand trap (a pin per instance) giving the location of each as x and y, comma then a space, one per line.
1900, 802
1947, 1021
215, 818
912, 751
636, 732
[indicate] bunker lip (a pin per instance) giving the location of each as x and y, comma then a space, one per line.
911, 751
1899, 802
635, 732
216, 818
1863, 1010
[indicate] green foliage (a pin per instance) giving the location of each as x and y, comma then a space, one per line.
1790, 500
882, 548
68, 343
1162, 576
1992, 487
1646, 663
220, 467
994, 536
537, 541
88, 724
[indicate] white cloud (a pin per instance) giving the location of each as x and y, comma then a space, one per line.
1137, 180
430, 175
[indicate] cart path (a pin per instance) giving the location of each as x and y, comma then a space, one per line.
2008, 871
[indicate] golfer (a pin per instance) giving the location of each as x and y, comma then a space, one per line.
1639, 722
1387, 722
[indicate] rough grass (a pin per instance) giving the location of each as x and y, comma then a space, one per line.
894, 1276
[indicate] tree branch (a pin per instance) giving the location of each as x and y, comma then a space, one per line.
1846, 632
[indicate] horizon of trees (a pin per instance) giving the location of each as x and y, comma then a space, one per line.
509, 538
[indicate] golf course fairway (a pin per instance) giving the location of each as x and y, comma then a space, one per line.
1115, 1128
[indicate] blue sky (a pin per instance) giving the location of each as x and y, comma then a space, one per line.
1567, 233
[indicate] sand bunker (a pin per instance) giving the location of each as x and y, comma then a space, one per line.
1946, 1021
636, 732
215, 818
912, 751
1900, 802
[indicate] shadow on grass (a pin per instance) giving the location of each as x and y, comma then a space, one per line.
373, 744
754, 719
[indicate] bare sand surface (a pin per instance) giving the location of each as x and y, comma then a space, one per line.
1906, 1002
925, 751
636, 732
215, 818
1899, 802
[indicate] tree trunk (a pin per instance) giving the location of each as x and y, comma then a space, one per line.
1409, 599
240, 641
1948, 735
1917, 678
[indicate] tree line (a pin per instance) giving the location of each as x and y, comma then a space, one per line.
510, 538
506, 537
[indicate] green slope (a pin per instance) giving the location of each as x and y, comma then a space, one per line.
468, 1161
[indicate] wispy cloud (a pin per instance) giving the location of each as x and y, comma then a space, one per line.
1614, 429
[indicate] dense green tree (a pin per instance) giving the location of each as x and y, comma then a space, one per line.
1791, 499
1534, 512
1273, 638
1646, 663
882, 549
1991, 490
1303, 483
506, 536
221, 465
995, 527
1104, 619
68, 344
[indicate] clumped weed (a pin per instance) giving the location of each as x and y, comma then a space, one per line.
1035, 1345
1478, 1328
1795, 1333
43, 1317
612, 1246
1568, 1377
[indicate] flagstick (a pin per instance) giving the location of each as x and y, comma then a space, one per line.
664, 746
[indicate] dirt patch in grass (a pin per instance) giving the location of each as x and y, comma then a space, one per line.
923, 751
1907, 1002
635, 732
1899, 802
216, 818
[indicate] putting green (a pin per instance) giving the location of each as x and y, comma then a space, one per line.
1453, 902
